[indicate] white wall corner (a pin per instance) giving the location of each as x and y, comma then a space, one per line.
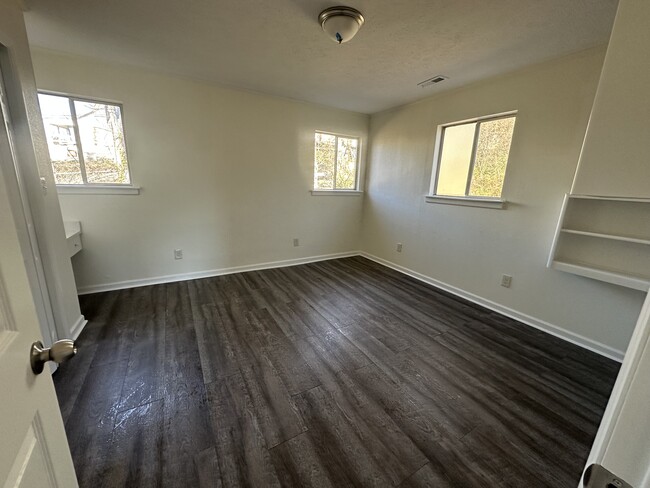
157, 280
526, 319
555, 330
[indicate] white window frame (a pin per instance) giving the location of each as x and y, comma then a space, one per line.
467, 199
86, 187
337, 191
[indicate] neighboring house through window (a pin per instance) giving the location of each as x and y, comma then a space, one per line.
86, 140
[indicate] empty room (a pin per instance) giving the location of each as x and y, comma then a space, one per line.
299, 243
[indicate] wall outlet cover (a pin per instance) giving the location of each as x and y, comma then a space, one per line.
506, 280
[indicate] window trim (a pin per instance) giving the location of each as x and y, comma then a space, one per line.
337, 191
325, 193
467, 199
99, 188
483, 202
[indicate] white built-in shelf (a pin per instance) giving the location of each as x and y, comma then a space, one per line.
73, 236
614, 237
604, 238
608, 199
637, 282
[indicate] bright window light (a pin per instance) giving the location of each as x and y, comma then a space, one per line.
473, 156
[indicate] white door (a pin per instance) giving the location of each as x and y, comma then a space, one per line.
622, 445
33, 447
27, 233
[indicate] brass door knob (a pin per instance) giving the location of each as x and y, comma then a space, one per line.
60, 351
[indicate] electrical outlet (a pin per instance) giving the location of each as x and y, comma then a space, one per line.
296, 242
178, 254
506, 280
399, 247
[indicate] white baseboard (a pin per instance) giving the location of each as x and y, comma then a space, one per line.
555, 330
78, 326
121, 285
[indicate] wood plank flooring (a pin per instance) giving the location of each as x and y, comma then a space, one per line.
332, 374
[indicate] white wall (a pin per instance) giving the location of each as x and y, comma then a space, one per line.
34, 162
226, 173
616, 157
225, 176
469, 248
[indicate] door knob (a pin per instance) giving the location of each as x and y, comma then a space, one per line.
60, 351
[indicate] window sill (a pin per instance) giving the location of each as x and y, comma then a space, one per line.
324, 193
97, 190
468, 201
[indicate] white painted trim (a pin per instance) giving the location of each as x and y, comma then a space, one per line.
482, 118
78, 326
97, 190
329, 193
439, 142
6, 338
467, 201
83, 98
629, 281
611, 199
120, 285
612, 237
558, 228
639, 344
554, 330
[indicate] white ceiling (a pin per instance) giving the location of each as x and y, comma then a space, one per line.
277, 46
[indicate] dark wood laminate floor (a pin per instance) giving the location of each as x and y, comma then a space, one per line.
339, 373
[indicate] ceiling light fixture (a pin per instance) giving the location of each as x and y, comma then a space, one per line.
341, 23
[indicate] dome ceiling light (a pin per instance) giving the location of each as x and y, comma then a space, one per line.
341, 23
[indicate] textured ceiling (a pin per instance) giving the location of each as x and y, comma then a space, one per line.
277, 46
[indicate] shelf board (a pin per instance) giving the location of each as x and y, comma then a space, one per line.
614, 237
612, 199
597, 273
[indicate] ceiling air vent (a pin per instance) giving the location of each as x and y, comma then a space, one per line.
432, 81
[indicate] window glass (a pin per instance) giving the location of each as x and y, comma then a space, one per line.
455, 159
102, 140
86, 141
492, 152
473, 157
336, 162
61, 141
346, 163
325, 160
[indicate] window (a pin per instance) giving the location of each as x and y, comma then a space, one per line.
336, 162
86, 141
471, 157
